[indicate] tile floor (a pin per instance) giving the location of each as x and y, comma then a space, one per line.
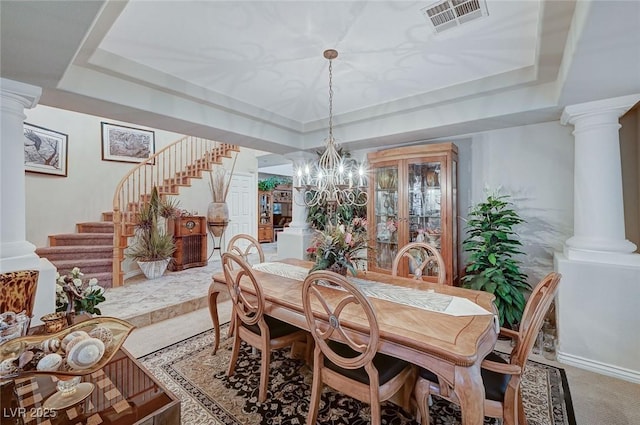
143, 302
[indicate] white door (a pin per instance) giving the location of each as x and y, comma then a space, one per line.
241, 201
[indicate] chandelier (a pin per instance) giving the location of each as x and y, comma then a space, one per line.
333, 180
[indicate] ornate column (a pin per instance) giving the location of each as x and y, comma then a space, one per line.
294, 240
599, 232
16, 253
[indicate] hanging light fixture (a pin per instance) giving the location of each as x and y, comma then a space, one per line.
333, 180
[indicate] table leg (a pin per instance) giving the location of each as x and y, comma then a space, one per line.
213, 311
470, 392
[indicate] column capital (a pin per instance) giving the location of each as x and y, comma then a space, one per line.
617, 106
26, 94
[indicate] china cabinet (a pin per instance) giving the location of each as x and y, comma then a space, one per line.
265, 216
282, 208
412, 198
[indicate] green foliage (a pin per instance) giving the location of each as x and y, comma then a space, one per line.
152, 243
319, 216
340, 246
88, 303
268, 184
493, 244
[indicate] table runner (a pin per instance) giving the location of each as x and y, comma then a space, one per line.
426, 300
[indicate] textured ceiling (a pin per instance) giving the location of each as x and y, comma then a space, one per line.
252, 72
269, 54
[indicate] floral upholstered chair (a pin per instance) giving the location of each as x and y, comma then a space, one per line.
18, 291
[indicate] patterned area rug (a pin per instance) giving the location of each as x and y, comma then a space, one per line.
190, 370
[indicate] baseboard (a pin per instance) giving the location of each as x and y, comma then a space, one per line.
598, 367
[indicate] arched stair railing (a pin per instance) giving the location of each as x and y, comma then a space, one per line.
168, 169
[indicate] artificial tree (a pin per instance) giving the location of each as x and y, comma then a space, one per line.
492, 267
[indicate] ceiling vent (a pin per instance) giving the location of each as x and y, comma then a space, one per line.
449, 14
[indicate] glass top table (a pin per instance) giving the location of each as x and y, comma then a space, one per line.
125, 393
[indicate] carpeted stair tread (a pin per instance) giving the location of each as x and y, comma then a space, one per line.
86, 265
95, 227
104, 279
71, 252
81, 239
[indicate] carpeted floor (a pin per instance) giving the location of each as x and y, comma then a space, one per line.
198, 377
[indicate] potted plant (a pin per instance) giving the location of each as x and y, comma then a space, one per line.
89, 293
493, 244
154, 246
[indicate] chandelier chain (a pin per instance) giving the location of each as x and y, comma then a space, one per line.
330, 101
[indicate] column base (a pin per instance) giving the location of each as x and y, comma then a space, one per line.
18, 256
599, 256
46, 291
622, 246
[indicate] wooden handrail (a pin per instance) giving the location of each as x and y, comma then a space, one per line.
168, 169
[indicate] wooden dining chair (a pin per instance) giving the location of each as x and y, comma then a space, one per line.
18, 291
422, 257
351, 365
501, 378
251, 325
246, 246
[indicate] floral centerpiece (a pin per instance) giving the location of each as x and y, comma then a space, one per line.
339, 247
87, 293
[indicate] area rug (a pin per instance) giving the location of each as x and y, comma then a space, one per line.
190, 370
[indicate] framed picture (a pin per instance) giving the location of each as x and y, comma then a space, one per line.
45, 151
126, 144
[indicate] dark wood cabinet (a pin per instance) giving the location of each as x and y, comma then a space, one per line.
190, 235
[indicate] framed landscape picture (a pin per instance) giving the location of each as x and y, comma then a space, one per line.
126, 144
45, 151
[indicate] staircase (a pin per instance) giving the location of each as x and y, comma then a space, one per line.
90, 249
95, 245
167, 170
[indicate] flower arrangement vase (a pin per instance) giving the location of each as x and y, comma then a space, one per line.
217, 217
154, 269
338, 268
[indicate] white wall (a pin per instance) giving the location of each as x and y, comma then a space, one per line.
55, 204
533, 164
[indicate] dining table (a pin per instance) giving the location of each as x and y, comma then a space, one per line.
445, 329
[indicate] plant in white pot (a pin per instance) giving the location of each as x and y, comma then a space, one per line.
154, 246
493, 246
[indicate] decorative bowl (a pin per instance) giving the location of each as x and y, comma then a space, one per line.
83, 358
54, 322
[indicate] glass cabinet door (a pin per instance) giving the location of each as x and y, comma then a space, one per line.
386, 215
265, 208
424, 196
412, 198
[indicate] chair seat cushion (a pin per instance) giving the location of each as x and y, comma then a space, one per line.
495, 384
427, 374
388, 367
277, 328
